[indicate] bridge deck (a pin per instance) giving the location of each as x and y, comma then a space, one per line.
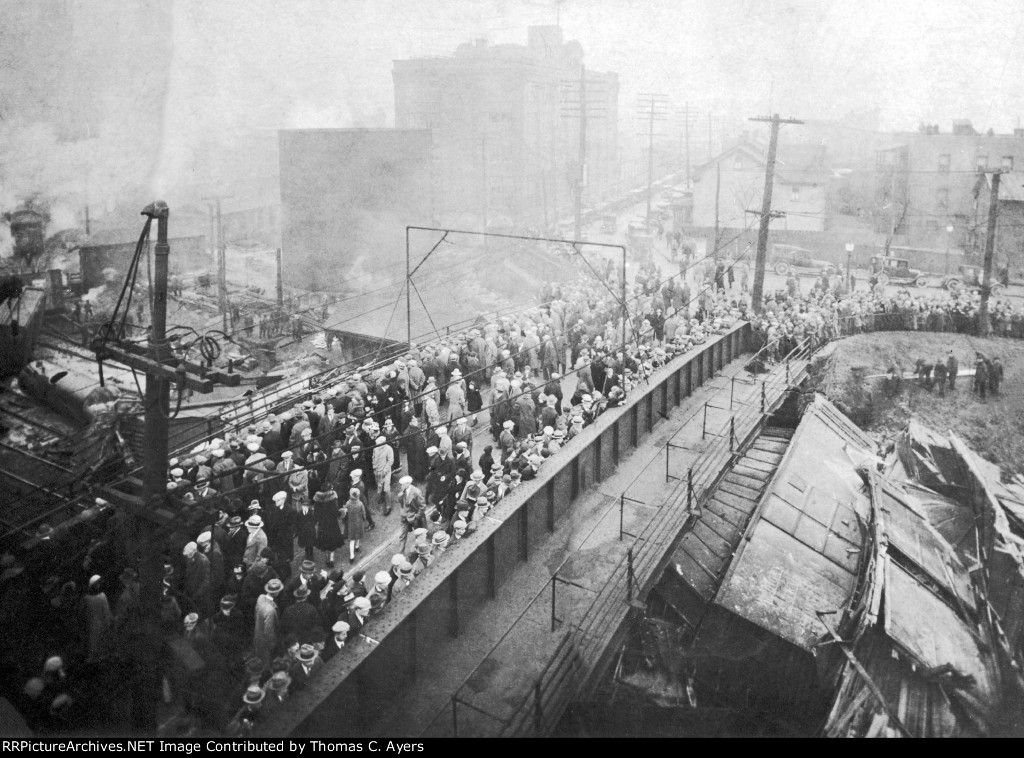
503, 652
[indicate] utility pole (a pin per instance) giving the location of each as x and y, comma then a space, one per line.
710, 154
654, 107
686, 132
581, 179
650, 165
766, 206
984, 327
280, 281
718, 189
222, 270
161, 368
584, 110
483, 178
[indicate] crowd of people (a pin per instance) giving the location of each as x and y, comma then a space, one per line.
254, 594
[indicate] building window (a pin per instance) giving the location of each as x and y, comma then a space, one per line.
982, 162
1007, 163
794, 195
942, 197
943, 163
737, 165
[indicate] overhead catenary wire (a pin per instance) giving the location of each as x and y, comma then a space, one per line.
568, 372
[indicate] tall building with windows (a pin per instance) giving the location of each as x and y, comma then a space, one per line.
505, 124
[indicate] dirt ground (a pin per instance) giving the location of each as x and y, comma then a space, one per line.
994, 428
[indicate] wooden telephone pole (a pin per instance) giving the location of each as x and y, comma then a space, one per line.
583, 100
766, 207
984, 325
653, 107
162, 368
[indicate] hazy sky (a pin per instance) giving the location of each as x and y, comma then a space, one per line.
931, 60
237, 65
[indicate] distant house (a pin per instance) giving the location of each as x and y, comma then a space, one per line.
736, 177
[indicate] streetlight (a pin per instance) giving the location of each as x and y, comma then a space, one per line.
849, 254
949, 232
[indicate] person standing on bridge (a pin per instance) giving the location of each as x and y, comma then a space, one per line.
462, 433
411, 507
456, 396
355, 516
328, 530
383, 466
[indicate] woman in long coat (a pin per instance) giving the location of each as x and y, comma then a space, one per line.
416, 451
355, 522
99, 620
328, 531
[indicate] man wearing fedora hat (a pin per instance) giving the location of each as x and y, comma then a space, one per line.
266, 632
411, 507
461, 432
507, 440
300, 617
474, 489
455, 394
279, 526
226, 630
306, 666
235, 540
197, 579
404, 578
439, 543
277, 691
255, 541
383, 463
378, 595
245, 720
307, 577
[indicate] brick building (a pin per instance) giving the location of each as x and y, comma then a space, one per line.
925, 182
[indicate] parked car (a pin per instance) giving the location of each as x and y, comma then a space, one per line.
888, 270
786, 258
971, 278
609, 224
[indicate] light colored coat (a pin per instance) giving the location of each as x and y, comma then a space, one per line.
265, 632
254, 545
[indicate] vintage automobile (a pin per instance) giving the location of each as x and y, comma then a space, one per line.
609, 224
786, 258
971, 278
888, 270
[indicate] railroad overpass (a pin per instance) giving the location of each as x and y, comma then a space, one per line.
487, 642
